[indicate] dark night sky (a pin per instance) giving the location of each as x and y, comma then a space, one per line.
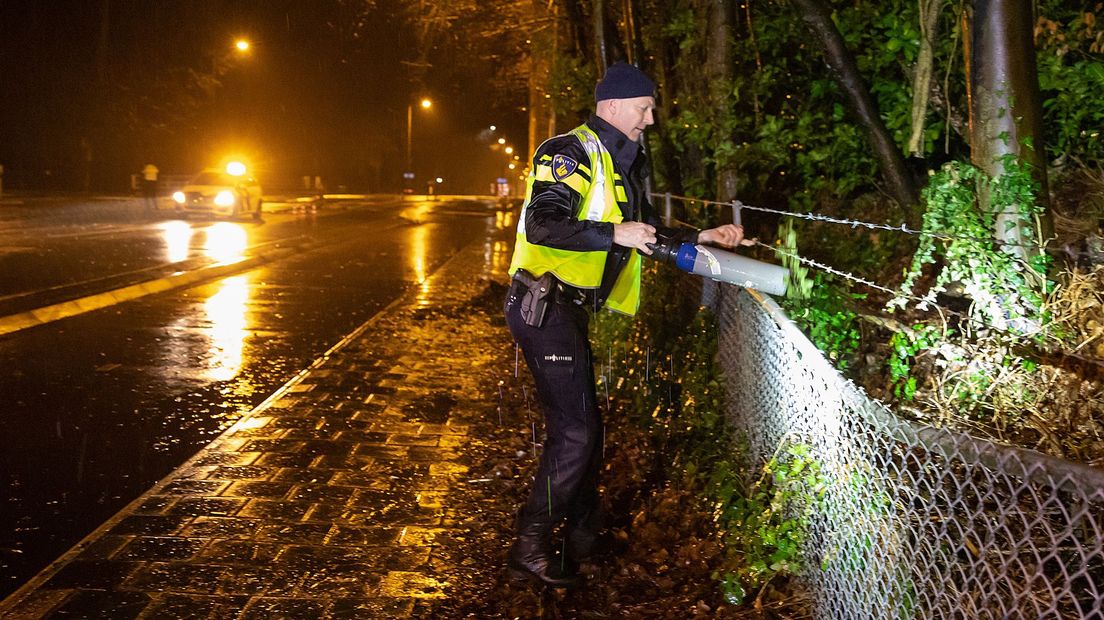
324, 91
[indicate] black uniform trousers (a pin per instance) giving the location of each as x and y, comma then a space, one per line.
559, 357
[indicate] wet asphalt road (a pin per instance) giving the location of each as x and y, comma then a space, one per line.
97, 407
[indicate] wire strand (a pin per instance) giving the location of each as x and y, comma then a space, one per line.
923, 304
821, 266
903, 228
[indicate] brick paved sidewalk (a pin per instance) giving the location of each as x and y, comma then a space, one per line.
326, 500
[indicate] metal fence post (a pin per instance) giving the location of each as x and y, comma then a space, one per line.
737, 216
667, 208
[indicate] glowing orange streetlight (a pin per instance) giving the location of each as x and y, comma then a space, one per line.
426, 104
242, 45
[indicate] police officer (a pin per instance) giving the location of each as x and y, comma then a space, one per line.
584, 220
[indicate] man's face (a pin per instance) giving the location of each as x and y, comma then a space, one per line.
632, 116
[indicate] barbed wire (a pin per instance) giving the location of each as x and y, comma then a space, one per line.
903, 228
923, 304
926, 304
832, 270
821, 266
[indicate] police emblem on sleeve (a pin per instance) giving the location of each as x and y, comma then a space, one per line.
563, 166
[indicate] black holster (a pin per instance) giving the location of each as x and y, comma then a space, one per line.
536, 294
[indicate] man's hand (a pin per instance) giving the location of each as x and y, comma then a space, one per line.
726, 236
634, 235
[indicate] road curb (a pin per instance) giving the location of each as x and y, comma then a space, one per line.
63, 310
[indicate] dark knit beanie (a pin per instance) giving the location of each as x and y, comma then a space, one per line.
623, 81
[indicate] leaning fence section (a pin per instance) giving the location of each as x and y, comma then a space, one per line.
914, 522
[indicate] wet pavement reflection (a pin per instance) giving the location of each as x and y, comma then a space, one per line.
101, 405
177, 235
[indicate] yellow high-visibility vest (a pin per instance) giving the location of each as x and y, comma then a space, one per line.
601, 202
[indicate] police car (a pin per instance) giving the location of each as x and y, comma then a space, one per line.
228, 192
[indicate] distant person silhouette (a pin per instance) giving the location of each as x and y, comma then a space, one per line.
149, 187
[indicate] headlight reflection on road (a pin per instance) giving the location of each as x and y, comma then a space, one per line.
178, 239
496, 257
226, 243
419, 249
504, 220
226, 311
496, 253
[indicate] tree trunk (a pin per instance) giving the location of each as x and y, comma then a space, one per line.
1005, 108
632, 36
756, 107
667, 162
846, 72
598, 21
921, 81
574, 17
718, 69
546, 43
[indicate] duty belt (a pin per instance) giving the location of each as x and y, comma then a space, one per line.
567, 294
562, 293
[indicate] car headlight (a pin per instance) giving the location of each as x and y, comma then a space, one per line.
178, 197
225, 198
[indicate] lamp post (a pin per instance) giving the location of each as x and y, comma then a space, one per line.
426, 104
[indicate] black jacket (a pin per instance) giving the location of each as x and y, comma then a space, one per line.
552, 216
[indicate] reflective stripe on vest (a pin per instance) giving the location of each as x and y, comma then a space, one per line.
601, 198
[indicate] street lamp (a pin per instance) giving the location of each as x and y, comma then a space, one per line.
224, 59
426, 104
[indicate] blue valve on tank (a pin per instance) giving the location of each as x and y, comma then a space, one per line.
724, 266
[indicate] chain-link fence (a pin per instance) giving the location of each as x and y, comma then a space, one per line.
916, 522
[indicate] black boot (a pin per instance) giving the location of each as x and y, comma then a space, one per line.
530, 559
580, 545
581, 537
